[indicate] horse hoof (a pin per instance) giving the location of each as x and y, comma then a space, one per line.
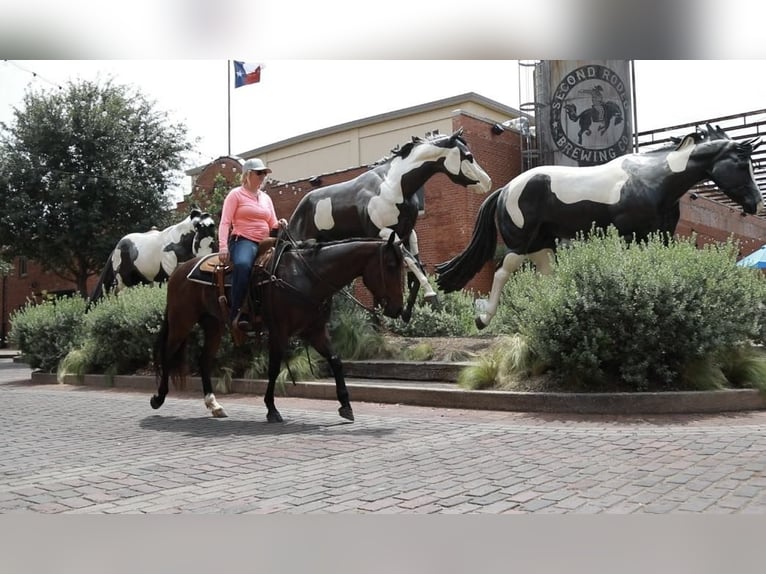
156, 402
480, 324
406, 316
433, 301
219, 413
274, 417
346, 413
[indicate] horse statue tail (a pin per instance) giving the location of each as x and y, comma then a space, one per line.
455, 273
106, 278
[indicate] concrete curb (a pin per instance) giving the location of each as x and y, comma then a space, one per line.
449, 396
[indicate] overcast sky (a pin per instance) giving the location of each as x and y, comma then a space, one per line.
299, 96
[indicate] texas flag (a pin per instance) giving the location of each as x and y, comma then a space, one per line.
246, 73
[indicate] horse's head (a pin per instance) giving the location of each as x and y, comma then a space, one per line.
451, 156
383, 276
731, 168
204, 234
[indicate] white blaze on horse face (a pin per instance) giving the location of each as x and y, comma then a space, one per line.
473, 171
323, 214
600, 184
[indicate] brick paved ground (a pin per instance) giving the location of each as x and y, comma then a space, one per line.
69, 449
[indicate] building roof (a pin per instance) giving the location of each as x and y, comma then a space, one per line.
387, 116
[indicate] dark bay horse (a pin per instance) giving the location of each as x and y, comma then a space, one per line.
382, 201
151, 256
636, 193
295, 300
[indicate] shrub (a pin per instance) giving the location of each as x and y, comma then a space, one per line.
451, 316
627, 316
46, 332
120, 330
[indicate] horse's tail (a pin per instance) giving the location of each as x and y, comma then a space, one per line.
455, 273
169, 362
106, 278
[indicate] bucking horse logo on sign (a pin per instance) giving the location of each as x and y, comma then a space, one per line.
591, 102
600, 112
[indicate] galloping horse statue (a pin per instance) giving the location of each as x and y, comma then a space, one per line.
636, 193
152, 256
590, 115
295, 291
382, 201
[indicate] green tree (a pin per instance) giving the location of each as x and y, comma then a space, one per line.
79, 168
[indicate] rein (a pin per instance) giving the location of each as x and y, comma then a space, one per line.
279, 282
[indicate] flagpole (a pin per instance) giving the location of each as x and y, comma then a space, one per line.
228, 82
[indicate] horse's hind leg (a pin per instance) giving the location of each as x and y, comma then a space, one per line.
321, 342
169, 355
213, 331
275, 362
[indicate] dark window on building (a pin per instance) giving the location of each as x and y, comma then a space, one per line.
420, 196
22, 266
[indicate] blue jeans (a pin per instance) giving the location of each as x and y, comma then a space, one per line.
242, 253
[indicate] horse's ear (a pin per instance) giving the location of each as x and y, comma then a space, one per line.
458, 133
715, 132
195, 211
416, 139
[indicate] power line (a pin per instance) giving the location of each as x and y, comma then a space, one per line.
34, 74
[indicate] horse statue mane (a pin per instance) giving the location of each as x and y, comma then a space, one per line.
711, 133
404, 150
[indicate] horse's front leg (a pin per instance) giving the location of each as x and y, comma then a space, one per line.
275, 362
321, 342
412, 261
420, 271
412, 285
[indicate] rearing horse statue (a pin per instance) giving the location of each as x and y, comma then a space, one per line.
382, 201
637, 193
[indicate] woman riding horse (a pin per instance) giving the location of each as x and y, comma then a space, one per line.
637, 193
296, 294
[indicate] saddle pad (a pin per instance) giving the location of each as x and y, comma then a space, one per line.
202, 272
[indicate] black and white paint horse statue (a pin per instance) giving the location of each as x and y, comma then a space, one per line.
151, 256
637, 193
383, 200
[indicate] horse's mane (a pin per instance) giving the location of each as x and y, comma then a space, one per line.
404, 150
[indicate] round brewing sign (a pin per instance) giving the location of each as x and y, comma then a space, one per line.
590, 115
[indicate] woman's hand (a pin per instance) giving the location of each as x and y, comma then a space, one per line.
223, 257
